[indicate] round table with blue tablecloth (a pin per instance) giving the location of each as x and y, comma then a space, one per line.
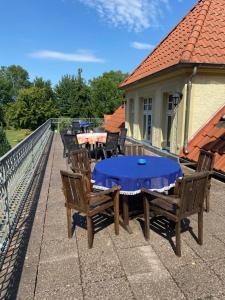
157, 174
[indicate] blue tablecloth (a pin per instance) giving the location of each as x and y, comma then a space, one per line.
158, 174
84, 124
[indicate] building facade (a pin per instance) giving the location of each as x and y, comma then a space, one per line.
176, 90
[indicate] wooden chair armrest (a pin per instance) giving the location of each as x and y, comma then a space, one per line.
98, 197
172, 200
76, 170
189, 164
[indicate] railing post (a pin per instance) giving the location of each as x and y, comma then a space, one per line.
5, 185
32, 155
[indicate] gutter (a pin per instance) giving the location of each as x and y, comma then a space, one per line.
187, 112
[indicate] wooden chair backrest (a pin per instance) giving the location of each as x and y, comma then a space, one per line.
206, 161
80, 161
75, 127
74, 189
192, 192
134, 149
122, 137
112, 140
70, 142
63, 131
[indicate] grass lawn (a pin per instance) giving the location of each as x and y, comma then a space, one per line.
15, 136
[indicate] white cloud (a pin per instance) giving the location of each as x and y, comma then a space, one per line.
136, 15
79, 56
142, 46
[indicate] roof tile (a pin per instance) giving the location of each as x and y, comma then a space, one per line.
116, 121
198, 38
211, 138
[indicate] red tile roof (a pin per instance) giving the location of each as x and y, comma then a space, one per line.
212, 138
114, 122
198, 38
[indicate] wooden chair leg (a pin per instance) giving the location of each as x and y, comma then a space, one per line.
116, 212
146, 218
178, 241
69, 222
125, 210
200, 227
207, 200
90, 231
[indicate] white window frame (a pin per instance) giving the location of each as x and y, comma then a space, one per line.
147, 113
131, 117
169, 113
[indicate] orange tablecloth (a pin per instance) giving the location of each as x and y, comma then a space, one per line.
91, 138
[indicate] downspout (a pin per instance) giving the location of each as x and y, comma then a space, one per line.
187, 112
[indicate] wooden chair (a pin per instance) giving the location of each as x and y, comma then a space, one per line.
176, 207
205, 162
81, 164
77, 197
133, 149
110, 146
70, 144
122, 140
62, 133
76, 127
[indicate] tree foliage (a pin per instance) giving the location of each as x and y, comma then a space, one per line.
32, 108
25, 104
2, 119
39, 82
12, 79
73, 96
105, 94
4, 144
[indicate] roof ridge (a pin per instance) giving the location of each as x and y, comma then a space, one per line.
162, 41
193, 38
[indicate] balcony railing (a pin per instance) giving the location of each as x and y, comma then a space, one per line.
17, 172
66, 122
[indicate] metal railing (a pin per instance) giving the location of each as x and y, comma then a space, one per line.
17, 172
63, 122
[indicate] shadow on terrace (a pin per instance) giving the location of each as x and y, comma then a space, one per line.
40, 262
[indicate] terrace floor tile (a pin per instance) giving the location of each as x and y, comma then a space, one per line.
118, 267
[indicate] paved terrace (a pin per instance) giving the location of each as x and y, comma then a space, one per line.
118, 267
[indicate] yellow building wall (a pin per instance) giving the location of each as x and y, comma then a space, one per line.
156, 91
208, 96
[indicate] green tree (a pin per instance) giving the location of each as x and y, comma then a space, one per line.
12, 79
39, 82
32, 108
4, 144
73, 96
105, 94
2, 119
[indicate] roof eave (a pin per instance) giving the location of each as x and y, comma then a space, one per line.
157, 74
176, 67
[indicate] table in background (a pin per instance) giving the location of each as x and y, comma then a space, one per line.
84, 125
91, 138
158, 174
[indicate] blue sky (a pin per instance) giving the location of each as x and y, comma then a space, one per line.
50, 38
